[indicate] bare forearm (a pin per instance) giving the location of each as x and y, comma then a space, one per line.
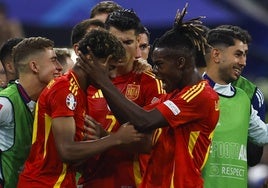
76, 151
144, 146
122, 108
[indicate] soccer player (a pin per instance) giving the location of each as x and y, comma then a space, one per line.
227, 162
117, 168
59, 121
101, 10
144, 42
36, 63
81, 29
6, 59
254, 152
188, 113
64, 57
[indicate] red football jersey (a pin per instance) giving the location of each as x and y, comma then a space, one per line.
44, 168
143, 89
115, 168
181, 149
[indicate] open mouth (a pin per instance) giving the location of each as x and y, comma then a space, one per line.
237, 71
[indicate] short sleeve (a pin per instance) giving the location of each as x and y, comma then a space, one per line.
62, 102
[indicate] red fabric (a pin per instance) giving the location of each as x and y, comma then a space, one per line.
142, 89
115, 168
44, 167
180, 150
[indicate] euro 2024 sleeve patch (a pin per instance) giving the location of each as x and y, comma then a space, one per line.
70, 101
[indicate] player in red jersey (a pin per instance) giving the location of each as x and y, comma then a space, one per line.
188, 113
59, 121
116, 168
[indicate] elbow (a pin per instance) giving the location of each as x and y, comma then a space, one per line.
66, 154
142, 124
146, 126
149, 121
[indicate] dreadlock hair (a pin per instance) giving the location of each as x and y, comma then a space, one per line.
123, 20
226, 34
101, 44
200, 58
185, 37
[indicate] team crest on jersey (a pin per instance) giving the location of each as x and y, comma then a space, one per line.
132, 91
70, 101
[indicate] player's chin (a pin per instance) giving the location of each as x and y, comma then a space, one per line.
235, 77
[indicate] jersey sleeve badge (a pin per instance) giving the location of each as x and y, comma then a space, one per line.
173, 107
70, 101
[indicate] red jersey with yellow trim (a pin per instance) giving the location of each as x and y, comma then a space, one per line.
143, 89
181, 149
44, 168
115, 168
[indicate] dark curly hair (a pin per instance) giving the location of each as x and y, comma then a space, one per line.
102, 44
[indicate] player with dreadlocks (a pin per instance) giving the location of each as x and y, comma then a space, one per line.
184, 119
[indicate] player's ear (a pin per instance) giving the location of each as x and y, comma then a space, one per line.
181, 62
75, 47
109, 60
216, 54
33, 66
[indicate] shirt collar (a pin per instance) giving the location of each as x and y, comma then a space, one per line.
26, 99
225, 90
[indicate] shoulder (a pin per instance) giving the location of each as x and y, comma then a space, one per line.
61, 87
148, 74
245, 91
5, 106
201, 90
148, 80
246, 85
200, 96
59, 83
149, 77
10, 90
10, 95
